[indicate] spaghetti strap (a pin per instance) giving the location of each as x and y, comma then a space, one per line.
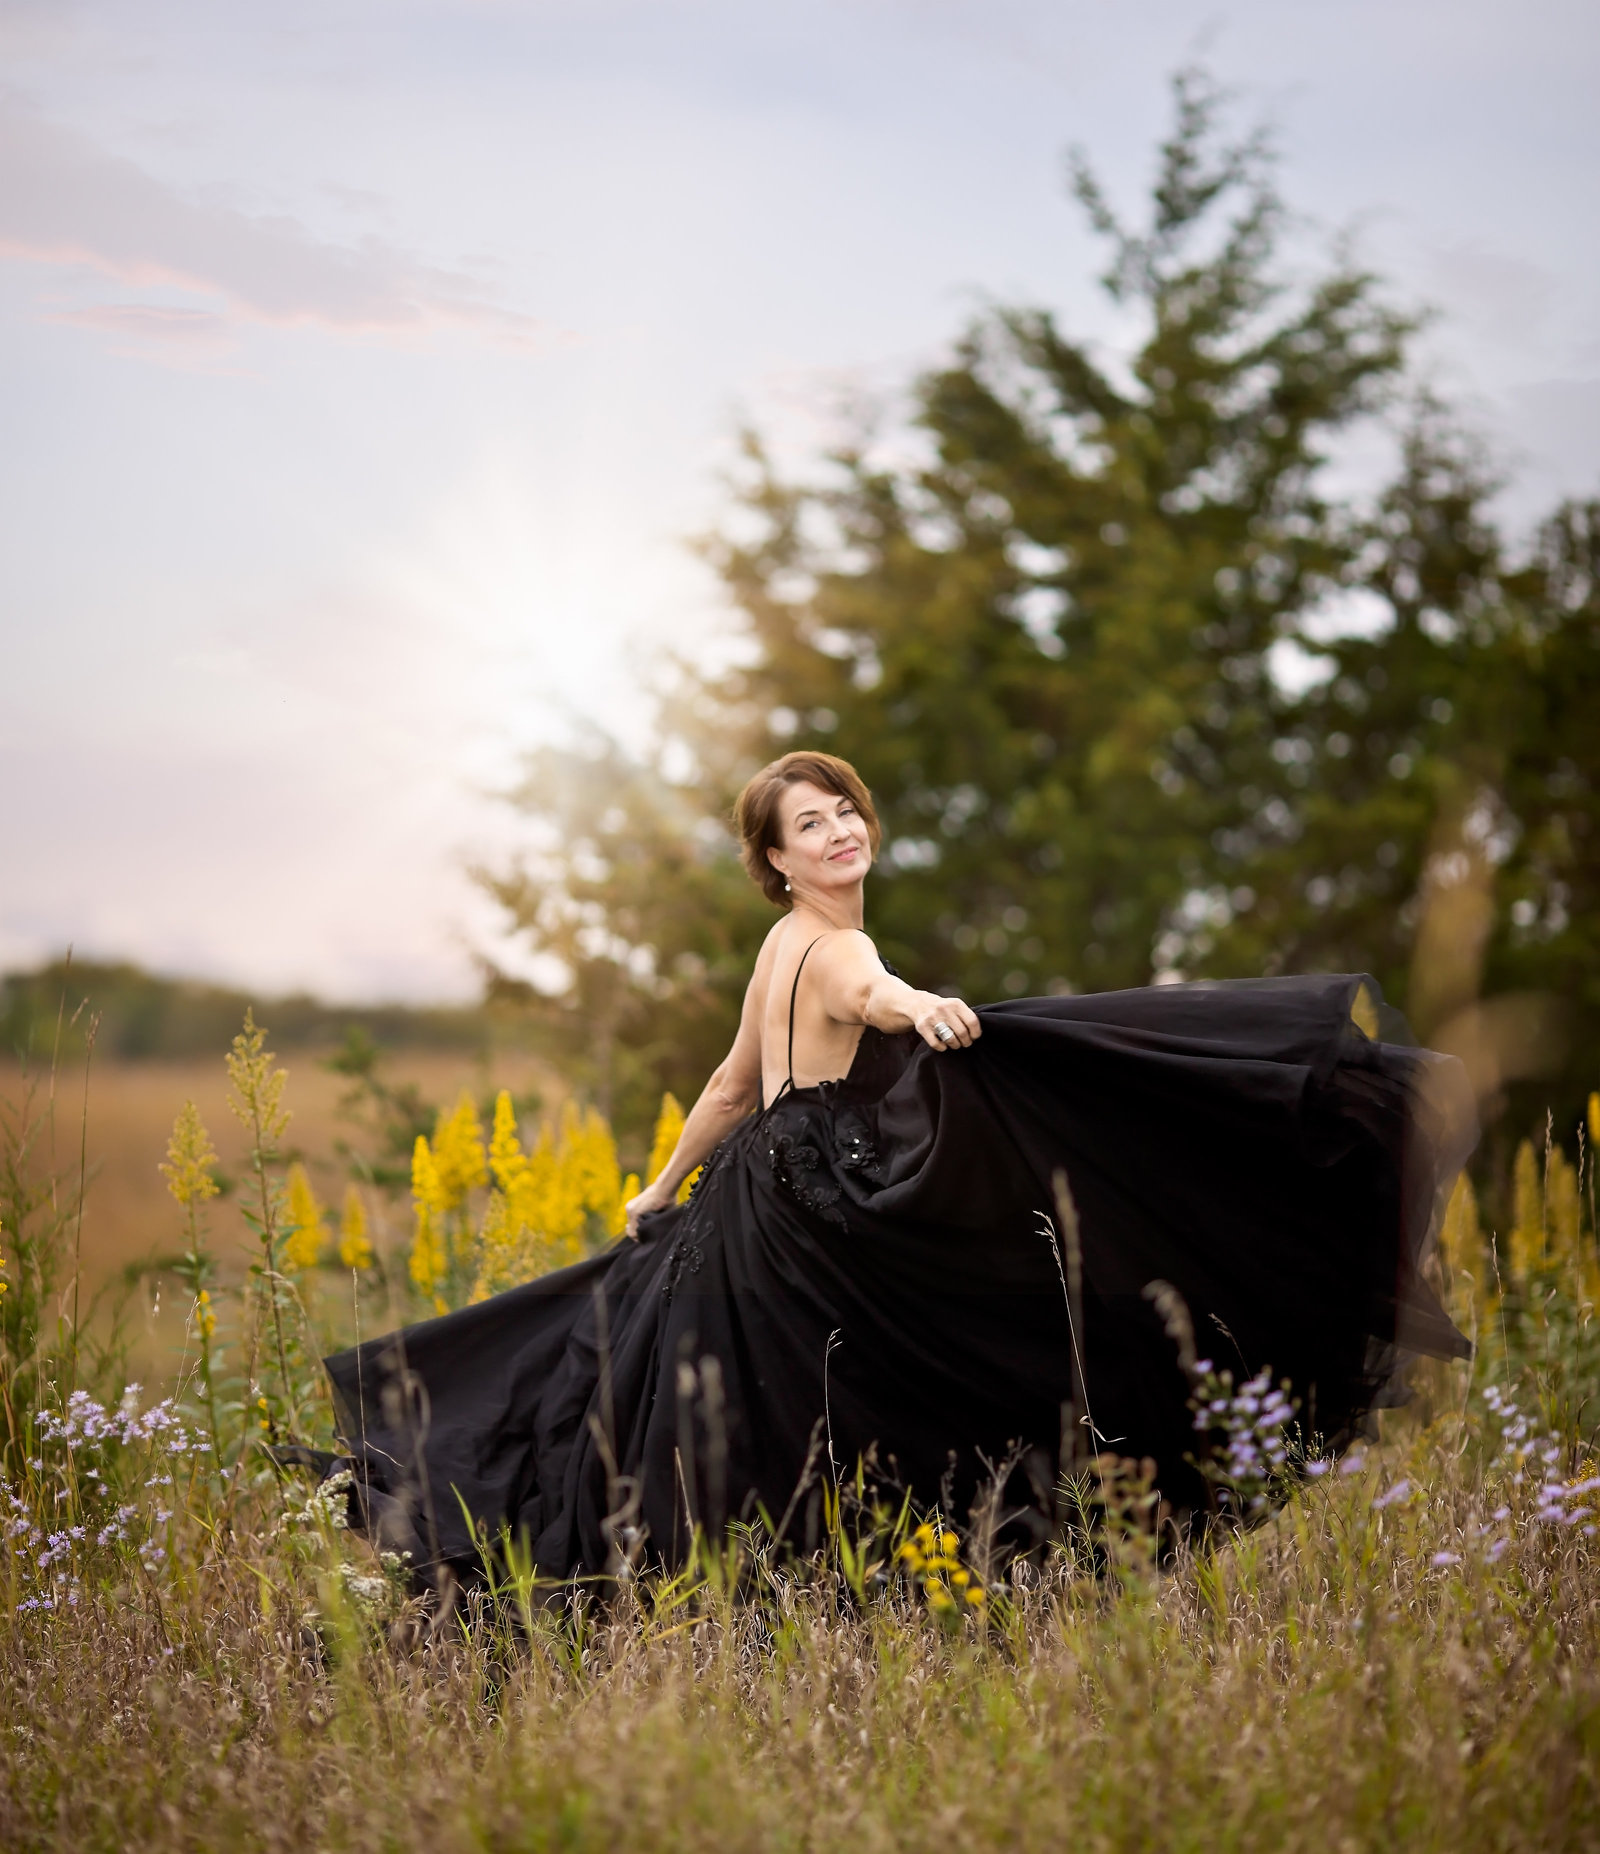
794, 992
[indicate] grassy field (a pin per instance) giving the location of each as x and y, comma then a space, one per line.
1406, 1654
1405, 1657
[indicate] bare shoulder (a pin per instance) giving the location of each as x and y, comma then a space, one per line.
761, 977
848, 948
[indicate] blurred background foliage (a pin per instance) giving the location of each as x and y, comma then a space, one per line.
1137, 694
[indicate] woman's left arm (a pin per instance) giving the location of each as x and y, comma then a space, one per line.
857, 990
734, 1088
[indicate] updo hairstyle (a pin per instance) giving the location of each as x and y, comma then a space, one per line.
755, 814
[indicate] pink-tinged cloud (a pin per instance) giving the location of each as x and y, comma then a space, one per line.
63, 201
145, 322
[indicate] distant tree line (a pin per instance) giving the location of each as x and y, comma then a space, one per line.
1137, 697
48, 1011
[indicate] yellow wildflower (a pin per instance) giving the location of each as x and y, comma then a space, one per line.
355, 1246
257, 1098
430, 1260
1527, 1197
558, 1211
499, 1252
205, 1317
190, 1157
458, 1153
630, 1190
1461, 1238
303, 1238
931, 1558
669, 1126
1594, 1121
591, 1153
4, 1284
507, 1160
1561, 1206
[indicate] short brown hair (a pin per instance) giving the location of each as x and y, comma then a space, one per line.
755, 814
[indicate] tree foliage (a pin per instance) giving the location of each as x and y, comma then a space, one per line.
1091, 645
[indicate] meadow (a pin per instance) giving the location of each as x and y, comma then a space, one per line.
198, 1653
132, 1229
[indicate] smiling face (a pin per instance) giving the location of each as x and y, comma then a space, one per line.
825, 847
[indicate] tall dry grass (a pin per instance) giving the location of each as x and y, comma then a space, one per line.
197, 1654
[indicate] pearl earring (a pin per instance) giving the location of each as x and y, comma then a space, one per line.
786, 888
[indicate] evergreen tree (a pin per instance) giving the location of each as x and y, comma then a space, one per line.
1049, 647
1046, 649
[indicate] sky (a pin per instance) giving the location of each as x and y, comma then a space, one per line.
366, 370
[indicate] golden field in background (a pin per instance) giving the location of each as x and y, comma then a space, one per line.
130, 1221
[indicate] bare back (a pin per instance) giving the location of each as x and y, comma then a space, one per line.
824, 1047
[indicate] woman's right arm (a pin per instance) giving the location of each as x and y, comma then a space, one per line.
733, 1090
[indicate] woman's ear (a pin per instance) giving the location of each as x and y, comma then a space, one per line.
776, 860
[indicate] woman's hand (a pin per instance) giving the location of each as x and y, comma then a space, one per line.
651, 1199
931, 1011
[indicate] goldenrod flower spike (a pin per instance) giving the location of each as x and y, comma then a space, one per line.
462, 1163
630, 1190
1527, 1198
507, 1160
1461, 1238
302, 1246
430, 1264
1562, 1209
669, 1124
190, 1157
1594, 1121
355, 1246
257, 1097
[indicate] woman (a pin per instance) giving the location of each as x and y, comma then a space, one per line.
867, 1273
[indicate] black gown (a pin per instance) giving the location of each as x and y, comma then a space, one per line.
862, 1274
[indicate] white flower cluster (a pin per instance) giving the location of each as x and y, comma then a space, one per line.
364, 1586
326, 1508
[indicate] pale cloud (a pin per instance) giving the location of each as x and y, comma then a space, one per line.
67, 203
1507, 298
164, 332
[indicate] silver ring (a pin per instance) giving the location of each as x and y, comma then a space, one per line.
944, 1033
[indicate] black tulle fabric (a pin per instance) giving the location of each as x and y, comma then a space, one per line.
862, 1273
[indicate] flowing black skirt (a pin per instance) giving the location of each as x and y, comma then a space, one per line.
862, 1274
